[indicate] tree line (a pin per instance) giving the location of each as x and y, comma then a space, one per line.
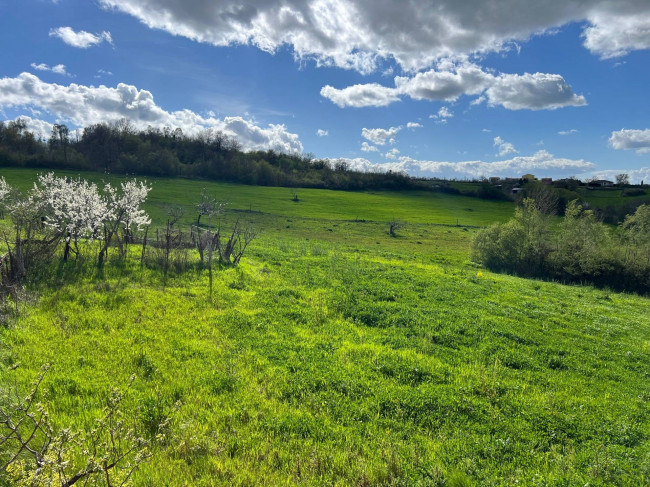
120, 148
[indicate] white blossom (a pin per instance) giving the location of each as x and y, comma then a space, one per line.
75, 206
127, 205
4, 189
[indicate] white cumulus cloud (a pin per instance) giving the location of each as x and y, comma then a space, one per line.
614, 33
538, 91
40, 128
504, 147
636, 175
392, 154
368, 95
81, 39
358, 34
568, 132
540, 162
322, 133
449, 81
83, 105
626, 139
366, 147
443, 114
58, 69
413, 125
380, 136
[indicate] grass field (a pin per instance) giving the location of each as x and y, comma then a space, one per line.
338, 355
607, 197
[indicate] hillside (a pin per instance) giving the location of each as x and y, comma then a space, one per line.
336, 354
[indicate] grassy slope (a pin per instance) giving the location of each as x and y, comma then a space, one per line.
607, 197
414, 207
339, 355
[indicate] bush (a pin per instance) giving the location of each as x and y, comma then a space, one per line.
580, 249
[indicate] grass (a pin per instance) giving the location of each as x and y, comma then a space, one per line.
412, 206
338, 355
603, 198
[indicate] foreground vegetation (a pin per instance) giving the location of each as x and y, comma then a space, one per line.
337, 354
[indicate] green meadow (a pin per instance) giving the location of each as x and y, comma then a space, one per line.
336, 354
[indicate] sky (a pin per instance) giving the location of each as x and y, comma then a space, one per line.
434, 88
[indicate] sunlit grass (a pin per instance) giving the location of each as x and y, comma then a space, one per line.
339, 355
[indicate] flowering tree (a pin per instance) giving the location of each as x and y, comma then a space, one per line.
74, 208
124, 212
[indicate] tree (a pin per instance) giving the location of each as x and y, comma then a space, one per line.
74, 208
582, 246
636, 232
125, 211
35, 453
545, 199
60, 139
232, 249
394, 226
32, 239
207, 206
622, 179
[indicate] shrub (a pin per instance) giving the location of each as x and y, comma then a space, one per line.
580, 249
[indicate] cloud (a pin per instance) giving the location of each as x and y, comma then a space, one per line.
366, 147
81, 39
103, 72
568, 132
368, 95
539, 91
540, 162
445, 83
443, 114
40, 128
84, 105
392, 154
625, 139
360, 34
449, 81
58, 69
322, 133
413, 125
613, 34
478, 101
636, 175
504, 147
380, 136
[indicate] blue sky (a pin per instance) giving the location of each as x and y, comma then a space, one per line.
433, 88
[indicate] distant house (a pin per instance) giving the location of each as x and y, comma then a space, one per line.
547, 181
602, 183
528, 177
494, 180
517, 190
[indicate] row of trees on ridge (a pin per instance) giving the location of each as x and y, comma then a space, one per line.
122, 149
